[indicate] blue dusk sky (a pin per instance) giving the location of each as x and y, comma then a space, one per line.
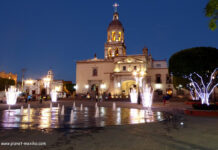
53, 34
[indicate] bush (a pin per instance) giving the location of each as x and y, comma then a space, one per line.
205, 107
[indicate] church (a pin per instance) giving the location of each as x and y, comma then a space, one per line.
117, 72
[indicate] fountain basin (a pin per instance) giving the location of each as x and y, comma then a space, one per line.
40, 118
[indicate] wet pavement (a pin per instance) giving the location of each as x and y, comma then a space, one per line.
77, 117
128, 127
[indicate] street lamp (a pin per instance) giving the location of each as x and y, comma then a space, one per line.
103, 86
139, 75
86, 86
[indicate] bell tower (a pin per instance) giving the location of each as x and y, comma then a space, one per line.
115, 45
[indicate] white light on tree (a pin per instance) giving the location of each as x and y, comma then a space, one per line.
202, 88
147, 96
11, 95
54, 95
193, 93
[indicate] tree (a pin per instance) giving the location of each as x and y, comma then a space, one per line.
68, 87
211, 11
5, 83
201, 88
201, 60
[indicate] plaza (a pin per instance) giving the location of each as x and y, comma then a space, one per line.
176, 131
91, 75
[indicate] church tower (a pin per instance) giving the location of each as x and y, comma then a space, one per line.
115, 45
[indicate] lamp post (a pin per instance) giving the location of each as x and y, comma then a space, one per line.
87, 90
138, 77
103, 87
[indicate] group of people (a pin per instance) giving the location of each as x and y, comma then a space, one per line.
98, 97
28, 98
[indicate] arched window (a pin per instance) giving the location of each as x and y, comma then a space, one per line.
119, 36
109, 52
116, 52
113, 36
94, 72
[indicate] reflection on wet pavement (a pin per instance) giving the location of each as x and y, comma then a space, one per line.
40, 118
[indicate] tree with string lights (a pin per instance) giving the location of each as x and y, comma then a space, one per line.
192, 69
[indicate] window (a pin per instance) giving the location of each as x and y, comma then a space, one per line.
113, 36
119, 36
135, 67
116, 52
94, 72
124, 68
158, 65
109, 52
168, 79
158, 78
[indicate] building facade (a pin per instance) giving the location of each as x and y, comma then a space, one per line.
8, 76
118, 72
44, 86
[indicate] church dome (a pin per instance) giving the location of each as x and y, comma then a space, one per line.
115, 23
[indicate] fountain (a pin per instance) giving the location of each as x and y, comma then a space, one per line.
9, 108
54, 96
147, 96
114, 106
21, 110
11, 95
133, 96
71, 116
50, 106
81, 107
74, 105
62, 110
28, 112
96, 112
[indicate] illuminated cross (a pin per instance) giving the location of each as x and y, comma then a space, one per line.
115, 5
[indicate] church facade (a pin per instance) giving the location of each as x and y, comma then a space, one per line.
118, 72
44, 86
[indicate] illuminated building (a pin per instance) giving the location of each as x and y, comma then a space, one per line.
8, 76
46, 84
114, 72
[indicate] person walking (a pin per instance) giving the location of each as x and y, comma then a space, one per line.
40, 99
